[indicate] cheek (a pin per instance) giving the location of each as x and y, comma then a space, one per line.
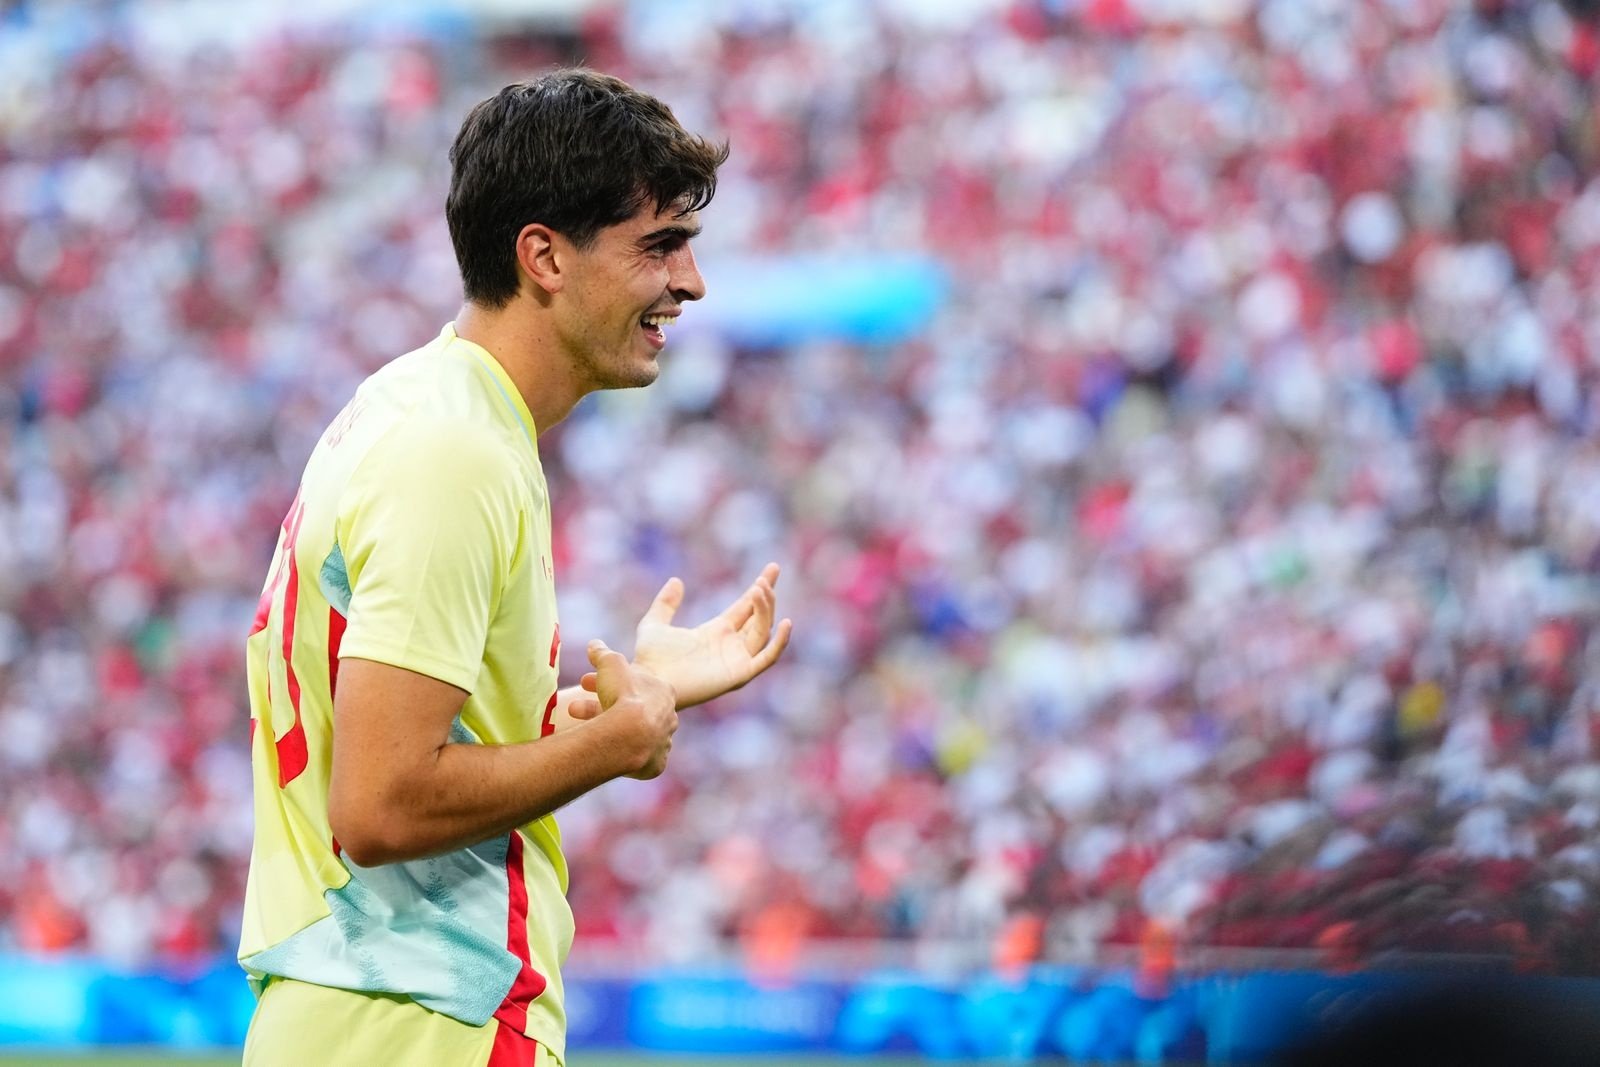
651, 283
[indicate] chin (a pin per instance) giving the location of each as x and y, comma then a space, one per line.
635, 376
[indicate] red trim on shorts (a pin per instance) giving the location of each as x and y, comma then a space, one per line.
529, 983
512, 1049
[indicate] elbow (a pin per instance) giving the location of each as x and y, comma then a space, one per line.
368, 851
363, 836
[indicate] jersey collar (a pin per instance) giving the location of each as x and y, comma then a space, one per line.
507, 388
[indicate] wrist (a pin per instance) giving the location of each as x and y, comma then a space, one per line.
627, 747
661, 674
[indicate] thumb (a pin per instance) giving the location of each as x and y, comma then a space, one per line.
601, 654
666, 603
584, 707
611, 672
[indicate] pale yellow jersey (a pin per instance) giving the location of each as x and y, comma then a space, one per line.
420, 537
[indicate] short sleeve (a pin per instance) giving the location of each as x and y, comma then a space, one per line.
429, 525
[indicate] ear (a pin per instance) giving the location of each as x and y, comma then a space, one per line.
537, 255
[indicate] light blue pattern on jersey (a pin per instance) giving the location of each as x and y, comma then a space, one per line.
334, 580
411, 928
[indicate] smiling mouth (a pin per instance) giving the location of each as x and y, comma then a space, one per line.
654, 327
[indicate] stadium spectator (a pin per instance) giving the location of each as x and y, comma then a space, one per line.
1217, 563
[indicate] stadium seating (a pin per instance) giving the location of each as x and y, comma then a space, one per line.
1213, 569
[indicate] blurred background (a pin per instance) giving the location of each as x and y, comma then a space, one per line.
1175, 418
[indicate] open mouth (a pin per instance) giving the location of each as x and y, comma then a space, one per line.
654, 327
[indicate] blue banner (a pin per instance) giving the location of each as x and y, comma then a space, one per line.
782, 301
1088, 1015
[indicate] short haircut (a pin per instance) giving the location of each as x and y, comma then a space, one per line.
575, 150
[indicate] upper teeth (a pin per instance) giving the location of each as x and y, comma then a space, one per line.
657, 320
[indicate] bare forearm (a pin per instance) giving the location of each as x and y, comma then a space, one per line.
399, 790
461, 794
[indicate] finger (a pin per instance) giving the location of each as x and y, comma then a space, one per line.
603, 658
589, 681
770, 573
666, 603
758, 628
769, 655
611, 673
767, 606
738, 613
583, 707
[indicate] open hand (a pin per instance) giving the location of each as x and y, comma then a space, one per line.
722, 653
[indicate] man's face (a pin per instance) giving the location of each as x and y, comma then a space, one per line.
625, 291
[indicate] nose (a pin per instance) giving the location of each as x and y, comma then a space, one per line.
685, 280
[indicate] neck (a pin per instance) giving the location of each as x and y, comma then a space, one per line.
528, 349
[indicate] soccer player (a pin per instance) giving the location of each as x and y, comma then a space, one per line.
406, 902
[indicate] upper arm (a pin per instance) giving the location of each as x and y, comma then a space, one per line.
387, 723
429, 525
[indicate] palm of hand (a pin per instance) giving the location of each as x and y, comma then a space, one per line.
701, 663
722, 653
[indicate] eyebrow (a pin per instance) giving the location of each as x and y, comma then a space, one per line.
684, 233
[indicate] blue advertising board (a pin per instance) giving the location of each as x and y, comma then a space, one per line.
1088, 1015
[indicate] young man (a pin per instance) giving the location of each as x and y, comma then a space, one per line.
406, 902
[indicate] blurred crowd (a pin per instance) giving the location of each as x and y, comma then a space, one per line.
1216, 568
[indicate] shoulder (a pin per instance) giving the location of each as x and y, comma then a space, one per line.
446, 459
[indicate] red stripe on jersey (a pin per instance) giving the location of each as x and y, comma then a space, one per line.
292, 745
529, 983
548, 726
336, 625
264, 605
512, 1049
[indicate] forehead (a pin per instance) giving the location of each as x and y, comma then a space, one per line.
648, 220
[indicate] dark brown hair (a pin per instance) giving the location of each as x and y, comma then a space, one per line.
575, 150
